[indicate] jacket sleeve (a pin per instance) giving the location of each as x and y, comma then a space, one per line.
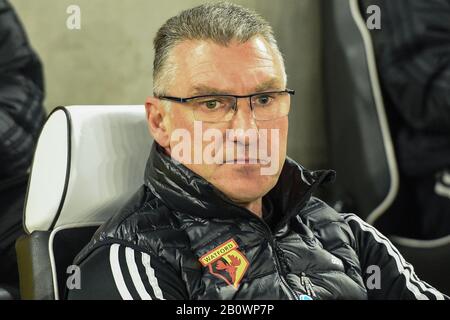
118, 272
379, 258
21, 95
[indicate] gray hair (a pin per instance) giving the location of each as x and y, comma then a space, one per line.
221, 22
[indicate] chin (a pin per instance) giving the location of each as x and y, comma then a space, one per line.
243, 183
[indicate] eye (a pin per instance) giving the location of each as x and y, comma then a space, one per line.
263, 100
211, 104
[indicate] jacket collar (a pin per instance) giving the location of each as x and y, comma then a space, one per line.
180, 189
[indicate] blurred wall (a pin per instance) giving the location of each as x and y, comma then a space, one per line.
109, 60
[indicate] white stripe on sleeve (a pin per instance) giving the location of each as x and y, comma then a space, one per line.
404, 268
151, 276
117, 272
135, 276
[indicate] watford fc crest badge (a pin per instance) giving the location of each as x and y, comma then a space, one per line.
226, 262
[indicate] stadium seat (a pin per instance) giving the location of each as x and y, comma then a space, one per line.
360, 144
87, 163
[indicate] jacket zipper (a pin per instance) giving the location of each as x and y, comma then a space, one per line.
304, 279
291, 293
307, 284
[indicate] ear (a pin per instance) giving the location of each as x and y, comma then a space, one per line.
157, 119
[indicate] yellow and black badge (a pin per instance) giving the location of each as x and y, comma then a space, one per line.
226, 262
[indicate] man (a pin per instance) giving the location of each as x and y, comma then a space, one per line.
21, 117
240, 227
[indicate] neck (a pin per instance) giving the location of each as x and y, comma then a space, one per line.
254, 206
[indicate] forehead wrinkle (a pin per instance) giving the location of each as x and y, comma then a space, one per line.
251, 70
265, 57
198, 64
200, 74
201, 85
255, 52
272, 83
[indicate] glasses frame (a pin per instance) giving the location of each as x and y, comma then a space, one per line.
185, 100
250, 96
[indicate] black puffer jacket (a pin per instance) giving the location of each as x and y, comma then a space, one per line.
21, 118
180, 238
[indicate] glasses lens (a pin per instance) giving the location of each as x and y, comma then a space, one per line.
271, 105
213, 108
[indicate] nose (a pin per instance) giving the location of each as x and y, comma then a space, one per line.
243, 119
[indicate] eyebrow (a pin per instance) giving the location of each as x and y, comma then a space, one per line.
270, 84
206, 90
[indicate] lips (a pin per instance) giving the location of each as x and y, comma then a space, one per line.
247, 161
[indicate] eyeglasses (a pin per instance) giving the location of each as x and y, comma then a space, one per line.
221, 108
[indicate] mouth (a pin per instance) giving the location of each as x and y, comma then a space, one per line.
247, 161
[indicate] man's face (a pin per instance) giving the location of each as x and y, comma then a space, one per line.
204, 67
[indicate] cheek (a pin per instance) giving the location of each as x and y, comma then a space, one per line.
181, 134
283, 142
277, 147
283, 126
181, 117
277, 132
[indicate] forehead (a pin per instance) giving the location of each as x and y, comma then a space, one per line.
237, 68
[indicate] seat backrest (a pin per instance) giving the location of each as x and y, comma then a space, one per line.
361, 148
88, 161
359, 137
